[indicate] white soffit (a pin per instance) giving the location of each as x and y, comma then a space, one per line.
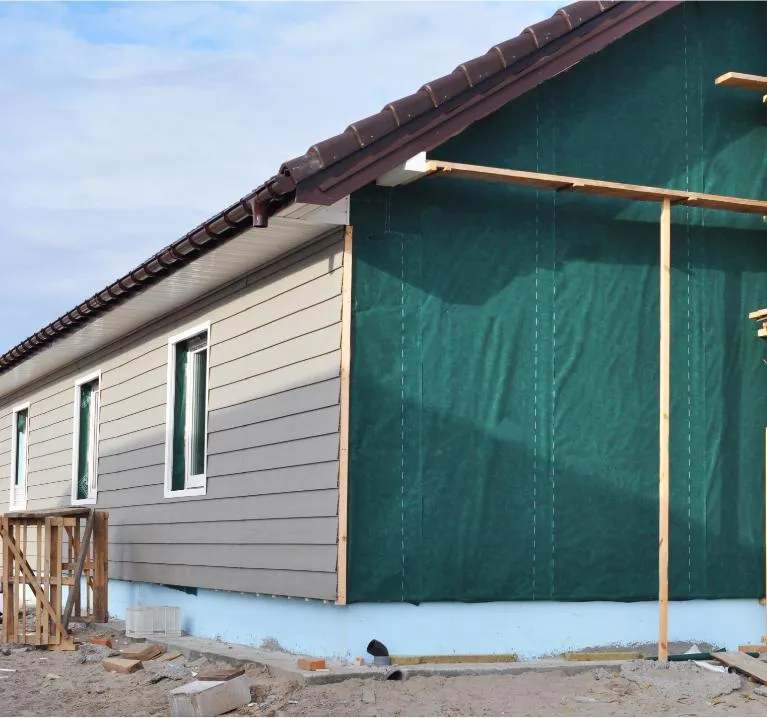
292, 227
407, 172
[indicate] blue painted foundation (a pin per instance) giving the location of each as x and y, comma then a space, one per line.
529, 629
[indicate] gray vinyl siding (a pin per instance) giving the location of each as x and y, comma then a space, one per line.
269, 520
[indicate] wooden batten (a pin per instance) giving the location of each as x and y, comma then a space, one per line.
599, 188
742, 80
343, 429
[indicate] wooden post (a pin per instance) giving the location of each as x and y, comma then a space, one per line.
100, 567
665, 379
8, 606
74, 592
343, 429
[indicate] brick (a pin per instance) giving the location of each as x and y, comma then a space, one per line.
101, 641
122, 665
220, 674
209, 698
311, 664
144, 653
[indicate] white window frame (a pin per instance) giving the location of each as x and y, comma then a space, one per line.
201, 480
18, 496
91, 500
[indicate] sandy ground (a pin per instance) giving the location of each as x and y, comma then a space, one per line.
44, 683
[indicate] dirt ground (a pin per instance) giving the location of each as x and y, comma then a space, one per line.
44, 683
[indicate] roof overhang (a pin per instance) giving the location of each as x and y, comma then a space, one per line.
292, 227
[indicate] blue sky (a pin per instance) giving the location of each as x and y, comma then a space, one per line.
126, 124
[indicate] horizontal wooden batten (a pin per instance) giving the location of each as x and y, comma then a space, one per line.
743, 81
600, 188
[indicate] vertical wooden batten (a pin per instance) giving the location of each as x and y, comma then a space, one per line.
343, 429
665, 380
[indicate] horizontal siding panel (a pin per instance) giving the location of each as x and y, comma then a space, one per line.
279, 380
292, 453
148, 456
47, 476
53, 397
43, 448
275, 481
247, 343
305, 270
289, 428
133, 404
293, 401
295, 350
132, 362
151, 436
5, 419
130, 478
50, 492
251, 580
292, 302
135, 385
290, 558
53, 431
38, 421
323, 530
128, 424
271, 481
269, 506
61, 501
49, 461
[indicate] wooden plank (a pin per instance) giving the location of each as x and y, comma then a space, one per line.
757, 83
450, 658
101, 567
665, 375
37, 515
54, 582
758, 314
36, 587
7, 599
39, 567
45, 619
746, 664
23, 531
75, 592
16, 533
753, 649
343, 429
599, 188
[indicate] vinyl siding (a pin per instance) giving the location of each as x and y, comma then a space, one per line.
269, 520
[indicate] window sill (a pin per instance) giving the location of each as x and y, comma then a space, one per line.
83, 502
184, 492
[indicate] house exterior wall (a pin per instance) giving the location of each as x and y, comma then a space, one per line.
504, 392
268, 521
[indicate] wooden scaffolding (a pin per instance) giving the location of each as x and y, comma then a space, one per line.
44, 553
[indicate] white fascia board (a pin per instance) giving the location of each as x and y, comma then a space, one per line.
408, 171
337, 213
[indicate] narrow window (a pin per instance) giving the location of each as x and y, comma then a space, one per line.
85, 464
188, 391
19, 453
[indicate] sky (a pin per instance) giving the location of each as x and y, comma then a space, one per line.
126, 124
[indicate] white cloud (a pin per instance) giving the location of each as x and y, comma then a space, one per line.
124, 125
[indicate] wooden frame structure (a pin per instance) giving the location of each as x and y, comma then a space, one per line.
667, 198
67, 548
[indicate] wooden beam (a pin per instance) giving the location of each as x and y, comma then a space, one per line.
100, 568
343, 433
743, 81
665, 376
598, 188
84, 545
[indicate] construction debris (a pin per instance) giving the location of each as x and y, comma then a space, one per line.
681, 680
311, 664
368, 695
122, 665
170, 656
209, 698
220, 674
143, 653
101, 641
752, 667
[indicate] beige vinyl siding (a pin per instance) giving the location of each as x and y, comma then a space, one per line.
268, 522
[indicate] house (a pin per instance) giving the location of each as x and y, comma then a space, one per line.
426, 403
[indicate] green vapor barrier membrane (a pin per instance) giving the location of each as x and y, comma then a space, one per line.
504, 392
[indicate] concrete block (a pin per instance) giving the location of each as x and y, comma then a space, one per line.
209, 698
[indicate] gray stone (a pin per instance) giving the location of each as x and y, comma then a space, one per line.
761, 691
209, 698
368, 695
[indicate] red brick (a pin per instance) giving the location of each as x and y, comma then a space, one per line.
311, 664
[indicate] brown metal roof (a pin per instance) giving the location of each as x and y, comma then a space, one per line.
333, 168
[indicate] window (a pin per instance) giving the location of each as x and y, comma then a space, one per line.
19, 455
186, 441
86, 440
